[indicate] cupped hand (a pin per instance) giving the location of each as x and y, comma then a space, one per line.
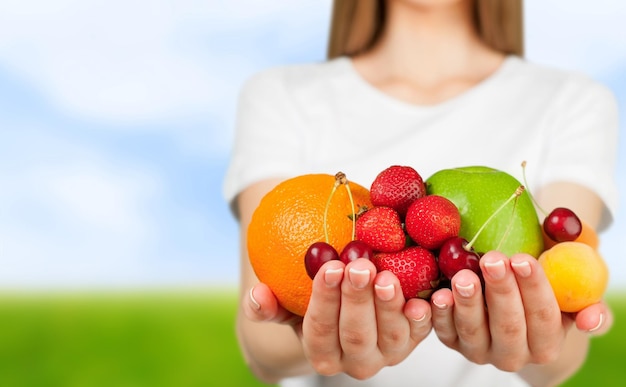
515, 321
358, 321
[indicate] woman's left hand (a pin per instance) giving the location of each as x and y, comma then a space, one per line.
516, 321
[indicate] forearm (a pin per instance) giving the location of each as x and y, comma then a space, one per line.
571, 359
271, 351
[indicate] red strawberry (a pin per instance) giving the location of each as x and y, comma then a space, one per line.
415, 267
381, 228
397, 187
431, 220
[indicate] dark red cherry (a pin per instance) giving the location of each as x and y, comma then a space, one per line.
562, 225
454, 256
356, 249
316, 255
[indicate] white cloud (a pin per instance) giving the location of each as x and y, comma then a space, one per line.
96, 60
94, 196
70, 216
143, 62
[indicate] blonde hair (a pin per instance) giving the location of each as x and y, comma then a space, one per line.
356, 24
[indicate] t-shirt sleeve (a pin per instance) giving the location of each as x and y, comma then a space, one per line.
583, 141
267, 141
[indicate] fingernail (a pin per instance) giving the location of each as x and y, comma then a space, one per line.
495, 269
465, 290
385, 293
600, 322
332, 277
359, 278
420, 319
521, 268
441, 306
255, 304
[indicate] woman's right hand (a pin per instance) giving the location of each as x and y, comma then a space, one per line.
357, 321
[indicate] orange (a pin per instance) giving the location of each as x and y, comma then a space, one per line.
577, 273
287, 221
588, 236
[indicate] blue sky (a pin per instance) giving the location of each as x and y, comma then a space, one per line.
116, 120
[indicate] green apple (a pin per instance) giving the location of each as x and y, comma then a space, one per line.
478, 192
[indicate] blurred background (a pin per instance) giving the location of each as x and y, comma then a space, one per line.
118, 254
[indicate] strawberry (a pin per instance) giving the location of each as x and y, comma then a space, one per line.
415, 267
397, 187
431, 220
381, 228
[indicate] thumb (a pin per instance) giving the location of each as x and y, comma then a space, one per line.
595, 319
260, 305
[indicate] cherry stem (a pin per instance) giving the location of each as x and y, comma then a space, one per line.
353, 211
515, 195
332, 193
529, 194
341, 177
509, 226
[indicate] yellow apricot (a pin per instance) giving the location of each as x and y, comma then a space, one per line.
577, 273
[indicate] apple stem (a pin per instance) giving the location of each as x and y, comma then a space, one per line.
529, 194
515, 195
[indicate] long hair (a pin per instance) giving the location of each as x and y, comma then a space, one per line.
356, 25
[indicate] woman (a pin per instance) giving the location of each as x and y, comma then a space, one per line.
431, 84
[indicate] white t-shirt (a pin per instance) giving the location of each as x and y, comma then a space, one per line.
325, 118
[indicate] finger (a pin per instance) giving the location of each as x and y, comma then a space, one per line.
596, 319
357, 319
262, 305
443, 319
393, 327
507, 321
543, 317
470, 317
320, 328
419, 313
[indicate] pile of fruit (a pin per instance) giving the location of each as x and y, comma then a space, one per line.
422, 231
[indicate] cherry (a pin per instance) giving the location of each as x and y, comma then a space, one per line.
318, 254
562, 225
455, 255
356, 249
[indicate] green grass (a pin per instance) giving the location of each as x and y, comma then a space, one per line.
605, 363
179, 339
124, 340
